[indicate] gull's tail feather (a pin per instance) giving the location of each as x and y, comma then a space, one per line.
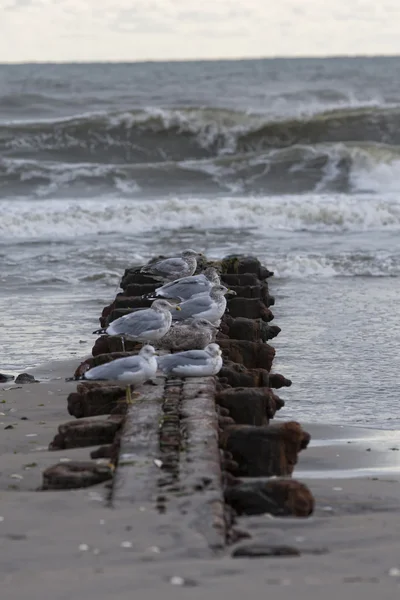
100, 331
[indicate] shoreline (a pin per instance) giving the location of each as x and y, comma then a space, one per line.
335, 450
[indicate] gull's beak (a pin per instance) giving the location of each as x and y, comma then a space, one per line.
177, 307
231, 293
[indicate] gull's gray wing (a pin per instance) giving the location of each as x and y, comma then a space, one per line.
113, 369
191, 357
184, 289
168, 266
194, 306
137, 323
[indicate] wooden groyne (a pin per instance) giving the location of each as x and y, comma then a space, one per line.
206, 448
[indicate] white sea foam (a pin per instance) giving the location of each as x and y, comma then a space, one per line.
310, 212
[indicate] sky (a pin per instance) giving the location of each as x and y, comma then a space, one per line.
132, 30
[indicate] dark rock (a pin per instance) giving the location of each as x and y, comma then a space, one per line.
258, 549
278, 497
225, 421
4, 377
107, 310
265, 451
236, 375
277, 381
252, 355
253, 330
239, 264
133, 276
102, 452
25, 378
250, 406
123, 301
79, 434
251, 308
112, 344
140, 289
93, 400
73, 475
244, 279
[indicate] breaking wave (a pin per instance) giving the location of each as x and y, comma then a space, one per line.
50, 219
335, 167
189, 133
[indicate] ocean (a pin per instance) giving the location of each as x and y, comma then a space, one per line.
294, 160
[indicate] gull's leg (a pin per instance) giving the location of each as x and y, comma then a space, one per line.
128, 395
123, 343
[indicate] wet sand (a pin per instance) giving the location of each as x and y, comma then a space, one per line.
68, 544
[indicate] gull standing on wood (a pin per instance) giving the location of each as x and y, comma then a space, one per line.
131, 370
186, 287
210, 305
170, 269
193, 334
143, 325
193, 363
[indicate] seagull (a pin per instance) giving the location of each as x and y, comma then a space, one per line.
186, 287
132, 370
170, 269
193, 363
143, 325
209, 305
188, 335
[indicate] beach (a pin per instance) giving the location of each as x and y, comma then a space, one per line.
69, 543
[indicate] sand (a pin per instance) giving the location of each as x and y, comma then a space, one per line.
68, 544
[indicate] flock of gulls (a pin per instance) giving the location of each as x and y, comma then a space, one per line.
184, 318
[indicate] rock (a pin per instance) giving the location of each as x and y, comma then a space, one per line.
278, 497
79, 434
93, 401
123, 301
4, 377
140, 289
102, 452
251, 308
236, 375
107, 310
250, 406
25, 378
278, 381
258, 549
107, 344
244, 279
225, 421
253, 330
252, 355
238, 264
73, 475
265, 451
132, 276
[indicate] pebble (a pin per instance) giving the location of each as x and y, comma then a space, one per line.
126, 544
83, 547
175, 580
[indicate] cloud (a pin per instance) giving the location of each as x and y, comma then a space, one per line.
160, 29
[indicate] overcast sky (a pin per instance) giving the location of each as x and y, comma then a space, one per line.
89, 30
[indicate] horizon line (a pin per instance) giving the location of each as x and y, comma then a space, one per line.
192, 60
